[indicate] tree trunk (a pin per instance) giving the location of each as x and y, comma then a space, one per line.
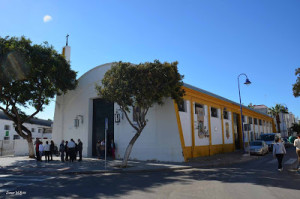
30, 148
278, 123
129, 148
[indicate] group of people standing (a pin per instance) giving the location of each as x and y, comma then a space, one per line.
46, 149
69, 150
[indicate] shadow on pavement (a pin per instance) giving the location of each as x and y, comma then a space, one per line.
117, 185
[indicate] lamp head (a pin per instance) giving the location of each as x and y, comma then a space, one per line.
247, 82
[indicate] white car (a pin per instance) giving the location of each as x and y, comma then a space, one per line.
259, 147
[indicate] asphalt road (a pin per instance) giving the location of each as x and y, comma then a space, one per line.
255, 179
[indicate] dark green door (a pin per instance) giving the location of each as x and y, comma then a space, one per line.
101, 110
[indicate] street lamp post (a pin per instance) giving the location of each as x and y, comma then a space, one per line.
247, 82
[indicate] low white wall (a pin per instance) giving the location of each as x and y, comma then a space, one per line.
21, 146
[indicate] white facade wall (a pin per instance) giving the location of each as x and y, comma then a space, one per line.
159, 140
228, 138
78, 102
185, 119
216, 129
31, 127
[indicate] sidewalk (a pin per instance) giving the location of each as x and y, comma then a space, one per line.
10, 164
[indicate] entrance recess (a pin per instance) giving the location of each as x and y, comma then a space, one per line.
237, 130
101, 110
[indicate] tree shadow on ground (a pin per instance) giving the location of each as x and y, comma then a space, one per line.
120, 184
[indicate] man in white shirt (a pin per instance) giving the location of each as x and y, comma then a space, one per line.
297, 145
47, 152
72, 152
41, 149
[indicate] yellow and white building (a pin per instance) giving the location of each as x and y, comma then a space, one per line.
205, 124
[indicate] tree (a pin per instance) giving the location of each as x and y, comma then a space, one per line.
139, 87
275, 113
296, 86
30, 76
296, 127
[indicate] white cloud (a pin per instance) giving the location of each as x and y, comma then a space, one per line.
47, 18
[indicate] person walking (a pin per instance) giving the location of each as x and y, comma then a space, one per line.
67, 151
297, 145
41, 150
79, 148
47, 152
51, 149
37, 143
278, 152
71, 148
102, 149
113, 148
98, 149
62, 151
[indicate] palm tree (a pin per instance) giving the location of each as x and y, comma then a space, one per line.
275, 113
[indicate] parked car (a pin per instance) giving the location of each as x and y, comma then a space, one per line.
259, 147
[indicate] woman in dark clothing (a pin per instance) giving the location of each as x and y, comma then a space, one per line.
67, 151
51, 149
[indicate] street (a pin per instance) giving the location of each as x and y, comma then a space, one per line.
255, 179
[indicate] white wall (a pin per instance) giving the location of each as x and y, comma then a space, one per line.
216, 129
21, 146
160, 139
185, 119
78, 102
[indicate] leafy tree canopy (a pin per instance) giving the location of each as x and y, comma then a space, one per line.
30, 75
142, 85
296, 86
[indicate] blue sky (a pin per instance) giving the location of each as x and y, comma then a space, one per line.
213, 41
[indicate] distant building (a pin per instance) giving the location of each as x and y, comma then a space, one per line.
261, 108
39, 128
286, 122
286, 119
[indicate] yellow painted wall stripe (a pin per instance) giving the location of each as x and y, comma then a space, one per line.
193, 129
